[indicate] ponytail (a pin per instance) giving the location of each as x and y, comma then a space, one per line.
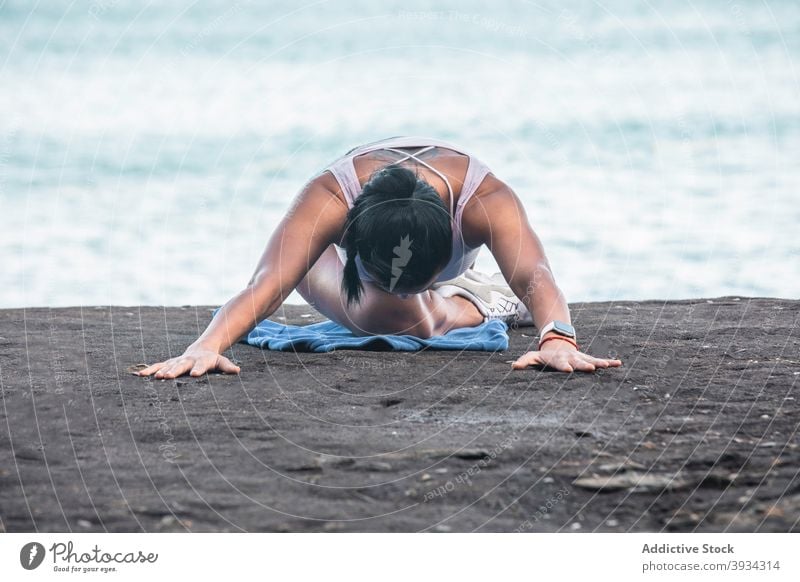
351, 282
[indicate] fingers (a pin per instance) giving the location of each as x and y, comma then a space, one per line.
227, 366
200, 368
587, 363
582, 364
562, 365
151, 369
222, 363
559, 362
603, 362
597, 362
564, 361
529, 359
179, 367
194, 365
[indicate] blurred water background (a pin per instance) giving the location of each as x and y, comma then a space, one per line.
148, 149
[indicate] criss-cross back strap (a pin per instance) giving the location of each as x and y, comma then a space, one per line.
414, 157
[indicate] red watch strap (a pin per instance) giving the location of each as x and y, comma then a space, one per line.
558, 337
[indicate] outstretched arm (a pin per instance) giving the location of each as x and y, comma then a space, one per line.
314, 221
496, 217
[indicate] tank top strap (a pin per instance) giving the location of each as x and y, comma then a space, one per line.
476, 172
343, 169
414, 157
345, 173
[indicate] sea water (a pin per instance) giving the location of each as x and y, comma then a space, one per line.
149, 149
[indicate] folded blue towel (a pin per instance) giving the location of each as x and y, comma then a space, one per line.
328, 336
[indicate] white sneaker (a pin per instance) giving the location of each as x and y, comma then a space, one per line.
491, 295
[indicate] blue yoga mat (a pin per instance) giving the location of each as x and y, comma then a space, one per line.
328, 336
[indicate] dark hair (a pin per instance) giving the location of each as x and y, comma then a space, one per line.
400, 229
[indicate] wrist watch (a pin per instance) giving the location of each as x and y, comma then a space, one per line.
560, 328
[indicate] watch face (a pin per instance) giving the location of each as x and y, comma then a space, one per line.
564, 329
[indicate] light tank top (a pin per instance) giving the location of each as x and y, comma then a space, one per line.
343, 169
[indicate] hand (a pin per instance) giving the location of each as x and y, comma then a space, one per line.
565, 357
195, 360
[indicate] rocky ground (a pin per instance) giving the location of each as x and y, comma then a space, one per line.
696, 432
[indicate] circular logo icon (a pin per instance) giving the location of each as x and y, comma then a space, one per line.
31, 555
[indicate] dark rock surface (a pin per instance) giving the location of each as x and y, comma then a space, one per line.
696, 432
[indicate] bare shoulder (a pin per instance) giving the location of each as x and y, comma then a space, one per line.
491, 186
325, 183
320, 206
492, 205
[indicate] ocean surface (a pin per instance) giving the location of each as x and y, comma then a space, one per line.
148, 149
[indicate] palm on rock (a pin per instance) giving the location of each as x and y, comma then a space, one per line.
564, 358
194, 361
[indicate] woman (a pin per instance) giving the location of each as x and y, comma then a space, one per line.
382, 241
